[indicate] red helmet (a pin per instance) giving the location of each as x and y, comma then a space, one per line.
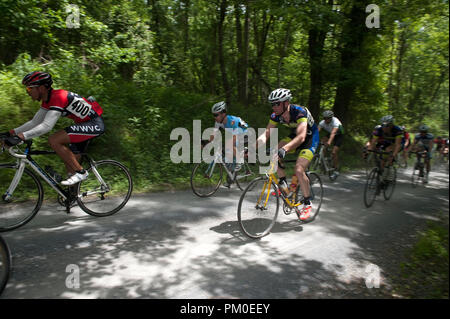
37, 78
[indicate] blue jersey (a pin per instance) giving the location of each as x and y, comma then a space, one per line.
424, 139
235, 123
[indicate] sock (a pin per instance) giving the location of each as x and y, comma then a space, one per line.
81, 172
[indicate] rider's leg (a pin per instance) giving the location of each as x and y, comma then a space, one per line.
300, 172
58, 142
334, 155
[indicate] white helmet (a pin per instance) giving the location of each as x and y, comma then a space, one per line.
219, 107
280, 95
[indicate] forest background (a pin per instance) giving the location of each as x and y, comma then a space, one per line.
158, 65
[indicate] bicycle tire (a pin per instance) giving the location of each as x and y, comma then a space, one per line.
246, 174
369, 164
389, 186
5, 264
21, 208
415, 176
91, 193
371, 188
251, 218
201, 176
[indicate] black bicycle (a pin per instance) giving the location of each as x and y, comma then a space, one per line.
5, 264
106, 190
380, 180
418, 174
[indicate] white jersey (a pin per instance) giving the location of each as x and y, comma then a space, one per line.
335, 123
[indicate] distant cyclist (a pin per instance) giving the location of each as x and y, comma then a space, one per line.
424, 141
304, 136
236, 125
389, 137
86, 113
335, 130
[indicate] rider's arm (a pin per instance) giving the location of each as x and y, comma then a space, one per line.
372, 143
301, 130
37, 119
262, 139
398, 145
332, 135
45, 126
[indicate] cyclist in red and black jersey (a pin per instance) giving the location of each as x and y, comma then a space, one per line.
67, 143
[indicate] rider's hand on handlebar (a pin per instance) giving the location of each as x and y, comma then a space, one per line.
13, 140
5, 135
281, 153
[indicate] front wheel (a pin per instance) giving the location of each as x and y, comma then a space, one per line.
106, 190
416, 175
19, 208
5, 264
371, 189
389, 184
258, 208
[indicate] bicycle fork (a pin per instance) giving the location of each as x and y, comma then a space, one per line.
12, 187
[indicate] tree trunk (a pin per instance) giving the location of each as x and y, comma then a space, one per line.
226, 85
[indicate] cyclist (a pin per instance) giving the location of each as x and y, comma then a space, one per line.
424, 140
406, 143
335, 130
304, 136
69, 142
234, 123
390, 138
440, 143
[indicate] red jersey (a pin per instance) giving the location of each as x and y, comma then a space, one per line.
72, 105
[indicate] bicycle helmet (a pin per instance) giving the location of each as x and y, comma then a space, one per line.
328, 114
387, 120
37, 78
423, 128
219, 107
280, 95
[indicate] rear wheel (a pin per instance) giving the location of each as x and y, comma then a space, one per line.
206, 178
5, 264
316, 194
247, 173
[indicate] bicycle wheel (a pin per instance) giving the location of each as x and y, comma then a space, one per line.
372, 188
415, 178
258, 208
26, 200
402, 162
389, 185
246, 174
206, 178
5, 264
316, 194
106, 190
369, 164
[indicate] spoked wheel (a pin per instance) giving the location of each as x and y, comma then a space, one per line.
5, 264
258, 208
369, 164
25, 202
316, 194
106, 190
389, 185
372, 188
206, 178
402, 162
246, 174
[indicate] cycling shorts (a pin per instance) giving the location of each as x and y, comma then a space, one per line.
309, 146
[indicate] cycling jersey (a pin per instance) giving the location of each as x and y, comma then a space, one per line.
300, 114
72, 105
335, 123
387, 139
235, 123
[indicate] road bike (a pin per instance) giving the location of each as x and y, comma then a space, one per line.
418, 174
380, 180
206, 177
106, 190
5, 264
259, 203
322, 162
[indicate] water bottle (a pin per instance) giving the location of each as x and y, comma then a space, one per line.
53, 174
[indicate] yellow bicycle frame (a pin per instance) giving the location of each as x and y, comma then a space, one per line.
267, 185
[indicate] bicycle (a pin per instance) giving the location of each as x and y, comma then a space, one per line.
5, 264
206, 177
323, 163
379, 180
419, 169
259, 203
22, 192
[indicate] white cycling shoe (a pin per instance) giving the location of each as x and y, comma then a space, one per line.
76, 178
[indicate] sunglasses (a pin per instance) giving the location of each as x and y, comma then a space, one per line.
216, 114
276, 104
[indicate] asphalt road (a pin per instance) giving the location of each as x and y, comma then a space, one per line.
176, 245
